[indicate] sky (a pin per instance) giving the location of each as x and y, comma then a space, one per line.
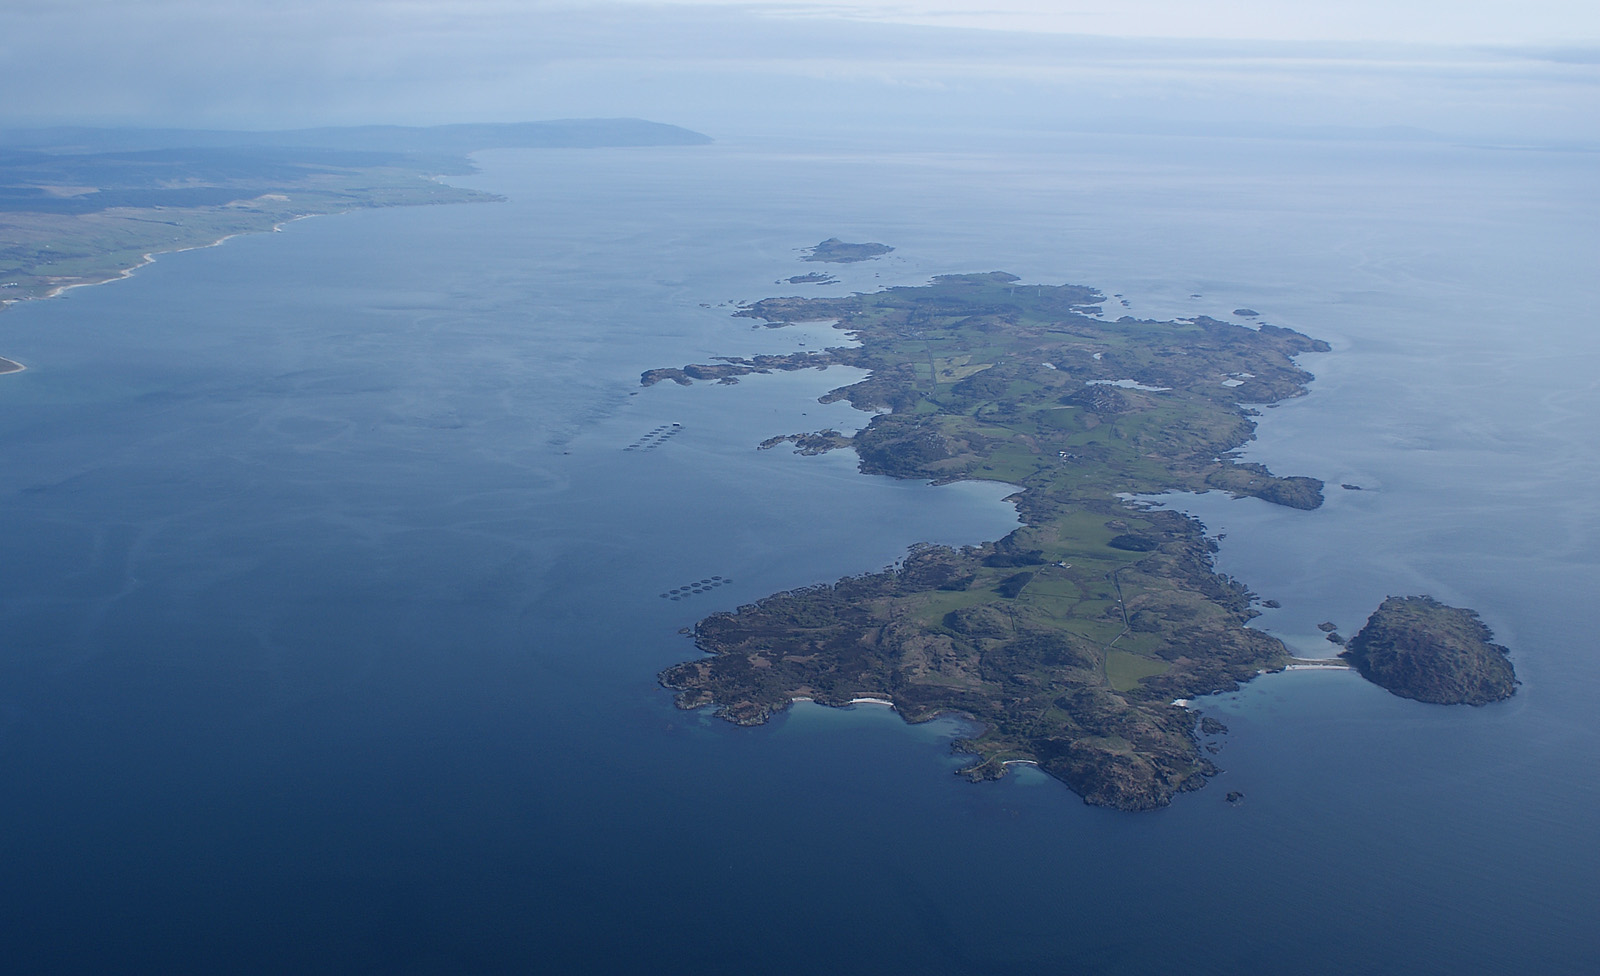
1409, 21
1511, 71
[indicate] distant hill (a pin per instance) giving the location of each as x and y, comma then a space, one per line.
1417, 647
557, 133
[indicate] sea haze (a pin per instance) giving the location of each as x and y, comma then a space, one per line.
330, 593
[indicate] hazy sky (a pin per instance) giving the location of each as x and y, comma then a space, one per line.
1425, 21
1528, 69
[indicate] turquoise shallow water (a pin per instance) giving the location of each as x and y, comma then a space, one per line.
330, 615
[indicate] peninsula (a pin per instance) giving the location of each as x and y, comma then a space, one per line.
1417, 647
1071, 640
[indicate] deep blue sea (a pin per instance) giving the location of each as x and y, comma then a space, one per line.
330, 613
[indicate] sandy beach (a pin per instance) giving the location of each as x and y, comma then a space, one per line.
149, 257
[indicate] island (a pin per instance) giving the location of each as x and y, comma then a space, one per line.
86, 206
1074, 641
835, 251
1417, 647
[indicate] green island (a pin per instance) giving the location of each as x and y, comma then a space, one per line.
1073, 640
1417, 647
835, 251
84, 206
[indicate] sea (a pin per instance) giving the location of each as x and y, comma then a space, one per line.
337, 566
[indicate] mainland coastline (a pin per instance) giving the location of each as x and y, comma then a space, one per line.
89, 206
54, 253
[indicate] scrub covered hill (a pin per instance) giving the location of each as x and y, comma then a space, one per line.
1417, 647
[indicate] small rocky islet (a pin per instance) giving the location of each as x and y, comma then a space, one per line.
835, 251
1419, 648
